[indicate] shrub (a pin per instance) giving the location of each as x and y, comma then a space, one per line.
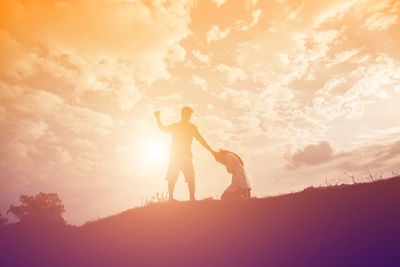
41, 208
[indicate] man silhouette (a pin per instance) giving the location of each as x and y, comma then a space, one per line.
180, 160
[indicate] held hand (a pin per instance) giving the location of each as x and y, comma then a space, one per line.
157, 113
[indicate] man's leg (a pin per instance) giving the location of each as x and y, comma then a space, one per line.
191, 187
188, 172
171, 187
172, 177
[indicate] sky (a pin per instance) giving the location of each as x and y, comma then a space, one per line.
306, 92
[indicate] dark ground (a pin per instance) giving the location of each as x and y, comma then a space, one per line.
357, 225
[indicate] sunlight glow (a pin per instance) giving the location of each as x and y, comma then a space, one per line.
155, 150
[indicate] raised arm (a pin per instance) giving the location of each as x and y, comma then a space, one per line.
202, 141
161, 126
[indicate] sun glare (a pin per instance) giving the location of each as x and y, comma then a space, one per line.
155, 150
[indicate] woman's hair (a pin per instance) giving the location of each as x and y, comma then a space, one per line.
220, 156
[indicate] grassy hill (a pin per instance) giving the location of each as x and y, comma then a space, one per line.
357, 225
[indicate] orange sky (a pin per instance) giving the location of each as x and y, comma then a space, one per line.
302, 90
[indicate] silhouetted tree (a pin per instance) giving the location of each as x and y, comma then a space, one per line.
41, 208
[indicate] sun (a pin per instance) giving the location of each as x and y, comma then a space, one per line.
155, 150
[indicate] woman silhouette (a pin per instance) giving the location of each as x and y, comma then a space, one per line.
239, 187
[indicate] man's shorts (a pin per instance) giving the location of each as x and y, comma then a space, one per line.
185, 166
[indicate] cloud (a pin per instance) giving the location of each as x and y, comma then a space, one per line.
380, 21
23, 100
250, 3
343, 56
200, 82
201, 57
63, 157
378, 156
145, 41
219, 2
82, 120
255, 17
311, 155
330, 85
215, 34
232, 73
83, 144
372, 157
286, 57
15, 151
379, 136
393, 152
15, 58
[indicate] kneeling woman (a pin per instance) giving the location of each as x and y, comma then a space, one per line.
239, 187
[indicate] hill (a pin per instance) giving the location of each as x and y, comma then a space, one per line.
355, 225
